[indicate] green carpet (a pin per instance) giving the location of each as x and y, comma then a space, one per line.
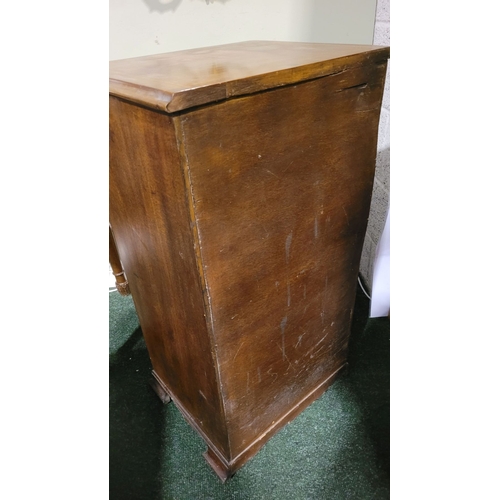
338, 448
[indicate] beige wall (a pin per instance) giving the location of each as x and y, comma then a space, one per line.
142, 27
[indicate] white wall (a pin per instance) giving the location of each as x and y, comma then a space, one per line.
143, 27
375, 260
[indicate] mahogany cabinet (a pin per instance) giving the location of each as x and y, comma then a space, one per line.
240, 185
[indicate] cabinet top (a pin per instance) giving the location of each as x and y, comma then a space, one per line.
180, 80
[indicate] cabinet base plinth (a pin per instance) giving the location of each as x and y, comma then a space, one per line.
221, 467
223, 470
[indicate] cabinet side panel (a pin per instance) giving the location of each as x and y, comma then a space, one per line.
150, 220
281, 185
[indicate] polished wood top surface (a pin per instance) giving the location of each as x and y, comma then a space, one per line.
180, 80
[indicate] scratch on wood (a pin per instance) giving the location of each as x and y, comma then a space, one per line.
251, 423
289, 366
265, 229
299, 341
317, 344
272, 173
316, 229
288, 243
322, 338
317, 352
305, 310
290, 164
239, 348
286, 357
322, 314
283, 326
140, 239
346, 216
365, 110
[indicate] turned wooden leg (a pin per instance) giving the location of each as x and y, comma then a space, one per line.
116, 266
159, 388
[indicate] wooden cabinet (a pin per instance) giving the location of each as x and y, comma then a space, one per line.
240, 185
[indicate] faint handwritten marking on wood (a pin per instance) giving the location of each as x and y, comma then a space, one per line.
274, 374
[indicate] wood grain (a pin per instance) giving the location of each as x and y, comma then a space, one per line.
240, 186
149, 215
281, 203
179, 80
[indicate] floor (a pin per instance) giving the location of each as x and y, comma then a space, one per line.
338, 448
